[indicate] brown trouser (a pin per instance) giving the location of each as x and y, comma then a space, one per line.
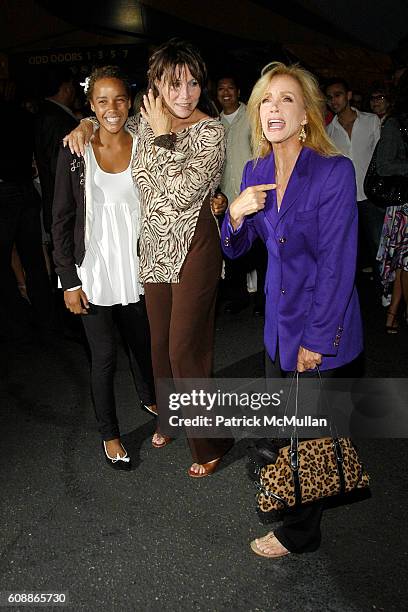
181, 317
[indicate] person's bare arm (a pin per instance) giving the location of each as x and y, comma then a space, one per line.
80, 137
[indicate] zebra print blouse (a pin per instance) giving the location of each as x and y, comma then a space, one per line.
173, 184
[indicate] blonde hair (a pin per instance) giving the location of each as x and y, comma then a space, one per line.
316, 136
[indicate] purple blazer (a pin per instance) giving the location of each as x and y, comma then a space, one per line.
311, 300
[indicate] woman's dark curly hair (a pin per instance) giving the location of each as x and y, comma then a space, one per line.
106, 72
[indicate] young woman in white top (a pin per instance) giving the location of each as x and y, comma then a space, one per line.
95, 231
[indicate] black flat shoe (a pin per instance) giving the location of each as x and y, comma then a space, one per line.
117, 463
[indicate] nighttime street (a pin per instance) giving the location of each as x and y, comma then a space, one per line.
171, 169
155, 538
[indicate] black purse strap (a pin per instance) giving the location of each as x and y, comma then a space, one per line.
295, 379
294, 442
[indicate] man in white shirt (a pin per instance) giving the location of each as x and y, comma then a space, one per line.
238, 135
355, 134
238, 152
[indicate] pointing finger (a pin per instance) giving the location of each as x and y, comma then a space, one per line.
266, 187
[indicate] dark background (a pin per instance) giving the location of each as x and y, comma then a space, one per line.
362, 41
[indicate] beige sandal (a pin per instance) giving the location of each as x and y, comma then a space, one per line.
165, 440
269, 536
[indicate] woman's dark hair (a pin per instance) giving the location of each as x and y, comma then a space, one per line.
379, 87
227, 76
53, 78
106, 72
168, 58
337, 81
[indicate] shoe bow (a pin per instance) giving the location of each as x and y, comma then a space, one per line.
126, 459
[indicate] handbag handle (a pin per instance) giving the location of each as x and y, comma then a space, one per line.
294, 439
331, 425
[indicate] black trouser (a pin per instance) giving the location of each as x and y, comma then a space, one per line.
236, 271
370, 223
300, 531
20, 224
100, 331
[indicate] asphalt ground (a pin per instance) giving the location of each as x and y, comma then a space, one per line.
155, 539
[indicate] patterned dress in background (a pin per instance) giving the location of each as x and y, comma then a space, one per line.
392, 159
393, 250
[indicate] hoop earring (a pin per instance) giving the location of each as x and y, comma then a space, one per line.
302, 134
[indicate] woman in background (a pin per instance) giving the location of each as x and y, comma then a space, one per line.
380, 101
392, 160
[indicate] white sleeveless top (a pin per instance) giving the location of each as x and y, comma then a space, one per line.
110, 270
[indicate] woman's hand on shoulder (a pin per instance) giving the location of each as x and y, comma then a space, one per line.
307, 360
249, 201
76, 301
79, 137
155, 114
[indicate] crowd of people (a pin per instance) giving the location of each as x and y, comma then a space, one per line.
381, 134
141, 210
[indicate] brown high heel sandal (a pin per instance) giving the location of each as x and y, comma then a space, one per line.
209, 468
394, 328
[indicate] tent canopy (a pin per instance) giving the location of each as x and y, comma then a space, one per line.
340, 37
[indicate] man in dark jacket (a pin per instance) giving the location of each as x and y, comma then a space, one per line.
54, 120
20, 207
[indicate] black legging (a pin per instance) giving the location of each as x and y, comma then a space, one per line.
100, 331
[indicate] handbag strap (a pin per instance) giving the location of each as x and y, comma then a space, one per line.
332, 425
262, 490
294, 442
294, 447
339, 460
295, 377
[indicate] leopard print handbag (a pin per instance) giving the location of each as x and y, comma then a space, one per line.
310, 470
